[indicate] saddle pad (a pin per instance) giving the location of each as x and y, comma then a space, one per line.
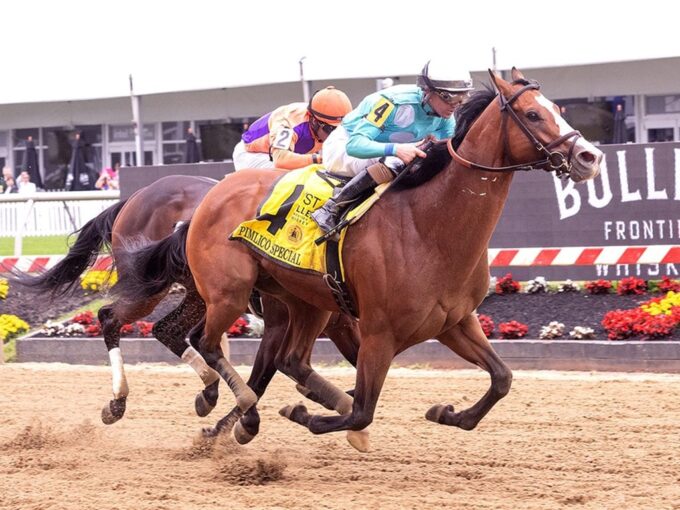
283, 229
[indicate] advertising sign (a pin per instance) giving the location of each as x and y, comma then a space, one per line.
626, 222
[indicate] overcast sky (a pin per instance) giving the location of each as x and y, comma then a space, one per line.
78, 49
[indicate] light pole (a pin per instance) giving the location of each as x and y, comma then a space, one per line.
137, 123
305, 85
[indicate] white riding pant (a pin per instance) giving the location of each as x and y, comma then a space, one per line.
244, 159
335, 157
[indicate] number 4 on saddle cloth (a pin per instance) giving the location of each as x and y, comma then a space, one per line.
284, 230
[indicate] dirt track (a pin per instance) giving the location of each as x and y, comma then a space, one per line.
558, 440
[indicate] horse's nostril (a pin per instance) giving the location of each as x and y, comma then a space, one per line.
587, 157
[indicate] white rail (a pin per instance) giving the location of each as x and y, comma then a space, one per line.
45, 214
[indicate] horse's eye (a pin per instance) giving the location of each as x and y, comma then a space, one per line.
533, 116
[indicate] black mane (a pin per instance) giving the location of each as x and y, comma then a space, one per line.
438, 155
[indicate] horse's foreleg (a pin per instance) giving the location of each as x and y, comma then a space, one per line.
372, 365
110, 324
469, 341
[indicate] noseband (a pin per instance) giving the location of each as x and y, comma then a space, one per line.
553, 162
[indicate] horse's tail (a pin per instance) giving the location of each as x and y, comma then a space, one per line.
150, 270
93, 237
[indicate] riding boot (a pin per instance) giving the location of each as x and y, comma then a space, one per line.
327, 216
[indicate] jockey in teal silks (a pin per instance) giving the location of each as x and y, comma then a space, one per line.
379, 137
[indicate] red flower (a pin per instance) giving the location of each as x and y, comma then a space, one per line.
94, 329
487, 324
632, 285
506, 285
513, 329
599, 287
126, 329
238, 328
84, 318
666, 285
145, 328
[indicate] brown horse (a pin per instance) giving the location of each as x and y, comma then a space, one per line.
150, 215
416, 263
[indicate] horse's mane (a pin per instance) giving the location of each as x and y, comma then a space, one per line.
438, 155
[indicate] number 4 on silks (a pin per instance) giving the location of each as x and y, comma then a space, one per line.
379, 113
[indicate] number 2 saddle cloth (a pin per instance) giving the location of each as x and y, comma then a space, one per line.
284, 230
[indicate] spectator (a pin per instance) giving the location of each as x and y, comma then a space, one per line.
5, 173
25, 184
10, 185
108, 179
191, 152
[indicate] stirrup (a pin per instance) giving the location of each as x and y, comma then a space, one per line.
325, 219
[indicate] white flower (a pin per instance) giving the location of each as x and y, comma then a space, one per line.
74, 329
52, 328
581, 333
569, 286
492, 286
536, 285
255, 325
553, 330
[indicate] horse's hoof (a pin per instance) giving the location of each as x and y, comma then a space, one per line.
246, 399
241, 435
435, 413
359, 440
114, 411
202, 406
290, 411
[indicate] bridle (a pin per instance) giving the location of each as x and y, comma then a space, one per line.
553, 162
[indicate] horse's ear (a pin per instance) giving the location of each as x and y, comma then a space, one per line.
501, 85
517, 74
494, 78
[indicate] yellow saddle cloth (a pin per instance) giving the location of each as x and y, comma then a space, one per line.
284, 230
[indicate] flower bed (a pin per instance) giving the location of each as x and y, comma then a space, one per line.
629, 309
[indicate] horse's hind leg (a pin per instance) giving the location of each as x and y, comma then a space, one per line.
110, 324
343, 331
219, 316
306, 322
171, 331
373, 362
275, 315
112, 317
469, 341
206, 399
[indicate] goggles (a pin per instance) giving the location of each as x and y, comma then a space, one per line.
326, 128
452, 98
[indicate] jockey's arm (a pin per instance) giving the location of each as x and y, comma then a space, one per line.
362, 144
289, 160
282, 141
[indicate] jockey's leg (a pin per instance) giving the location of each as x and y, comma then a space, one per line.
327, 216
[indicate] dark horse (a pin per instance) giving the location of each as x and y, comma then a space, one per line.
416, 263
150, 215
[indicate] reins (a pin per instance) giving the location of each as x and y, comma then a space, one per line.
553, 162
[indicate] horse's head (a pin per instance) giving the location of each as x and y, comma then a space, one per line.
536, 133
